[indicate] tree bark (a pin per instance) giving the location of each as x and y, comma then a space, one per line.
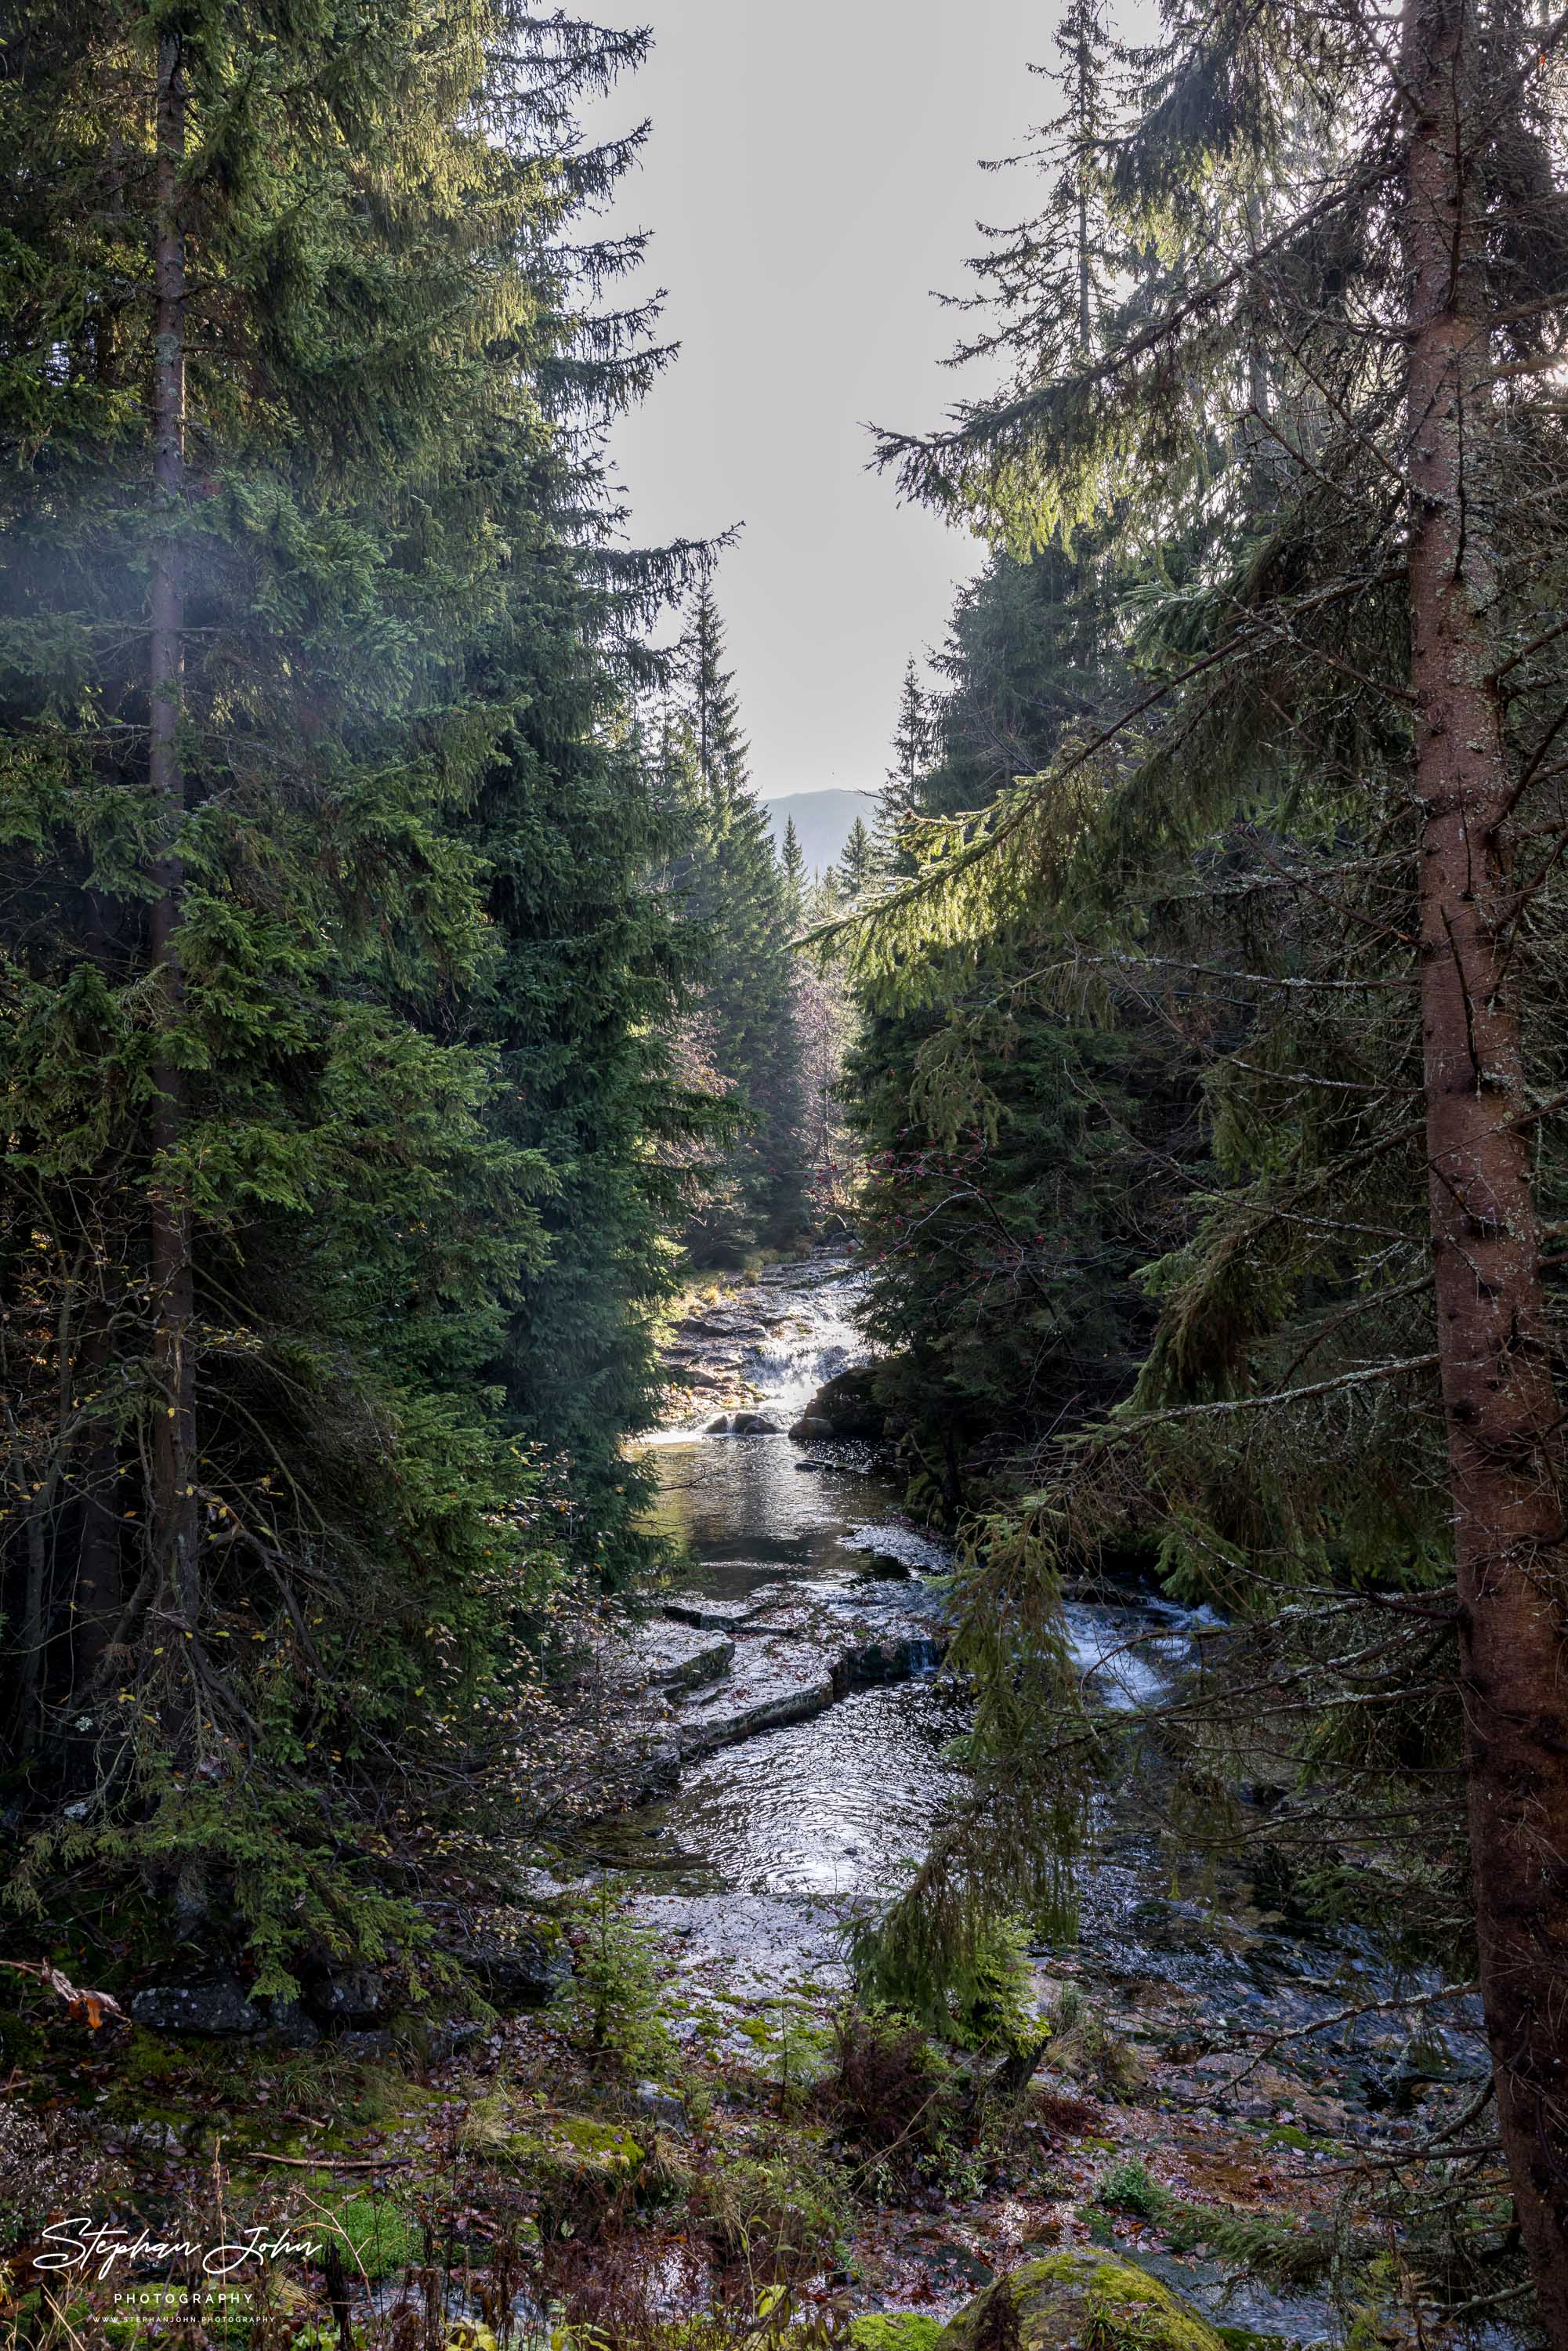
172, 1511
99, 1592
30, 1631
1495, 1368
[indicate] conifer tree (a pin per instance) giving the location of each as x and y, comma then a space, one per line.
734, 888
857, 862
594, 975
1007, 1197
913, 742
1341, 745
287, 284
792, 869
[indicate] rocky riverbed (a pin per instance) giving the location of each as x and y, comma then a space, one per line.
1226, 2086
796, 1666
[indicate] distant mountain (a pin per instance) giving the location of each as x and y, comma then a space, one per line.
823, 821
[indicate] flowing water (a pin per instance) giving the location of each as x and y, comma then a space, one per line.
839, 1805
781, 1839
842, 1803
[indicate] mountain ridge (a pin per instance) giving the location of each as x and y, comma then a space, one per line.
823, 820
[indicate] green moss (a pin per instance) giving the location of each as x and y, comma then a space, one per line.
895, 2330
144, 2058
22, 2043
609, 2145
1089, 2297
577, 2163
376, 2235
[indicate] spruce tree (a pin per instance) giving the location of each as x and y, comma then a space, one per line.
595, 971
792, 872
1339, 749
857, 862
734, 891
913, 742
1007, 1198
285, 285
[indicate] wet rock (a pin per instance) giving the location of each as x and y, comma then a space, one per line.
375, 2041
220, 2009
719, 1322
443, 2041
292, 2028
896, 1659
881, 1567
777, 1683
844, 1406
660, 2106
151, 2138
351, 1996
514, 1960
675, 1656
742, 1424
712, 1614
1084, 2294
950, 2267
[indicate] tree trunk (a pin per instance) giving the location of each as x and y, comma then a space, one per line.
174, 1450
100, 1595
30, 1631
1486, 1245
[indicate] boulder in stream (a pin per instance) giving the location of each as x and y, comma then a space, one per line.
677, 1657
1081, 2294
844, 1407
742, 1424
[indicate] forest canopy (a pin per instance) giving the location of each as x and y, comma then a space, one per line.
1213, 1067
351, 1133
406, 1018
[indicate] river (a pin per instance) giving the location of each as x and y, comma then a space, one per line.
774, 1841
839, 1804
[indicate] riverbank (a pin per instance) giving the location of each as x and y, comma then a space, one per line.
693, 2116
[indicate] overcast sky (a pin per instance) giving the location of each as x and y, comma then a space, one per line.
812, 174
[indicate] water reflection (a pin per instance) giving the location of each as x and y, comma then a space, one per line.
730, 1500
841, 1805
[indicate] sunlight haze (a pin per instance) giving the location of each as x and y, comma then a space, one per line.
812, 174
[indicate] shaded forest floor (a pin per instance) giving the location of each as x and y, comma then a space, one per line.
657, 2143
699, 2135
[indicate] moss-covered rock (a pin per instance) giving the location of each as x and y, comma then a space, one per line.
571, 2147
578, 2165
895, 2330
1086, 2296
600, 2146
519, 1958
